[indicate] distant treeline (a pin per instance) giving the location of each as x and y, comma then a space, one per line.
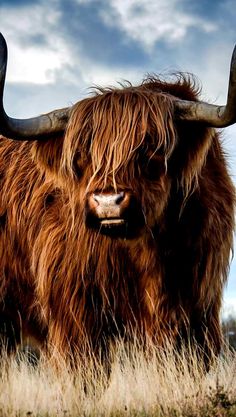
229, 330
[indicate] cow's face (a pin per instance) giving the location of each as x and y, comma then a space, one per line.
119, 145
132, 199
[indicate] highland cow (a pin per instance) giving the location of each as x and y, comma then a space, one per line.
116, 218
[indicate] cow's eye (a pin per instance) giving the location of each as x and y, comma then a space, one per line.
155, 167
78, 166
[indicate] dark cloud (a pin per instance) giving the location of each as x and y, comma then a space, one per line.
37, 40
18, 3
218, 12
86, 30
205, 8
82, 26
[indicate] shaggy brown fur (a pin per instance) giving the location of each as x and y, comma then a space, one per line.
68, 285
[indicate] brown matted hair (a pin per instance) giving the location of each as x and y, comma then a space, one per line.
70, 283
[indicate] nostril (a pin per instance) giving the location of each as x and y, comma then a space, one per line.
96, 198
119, 197
93, 201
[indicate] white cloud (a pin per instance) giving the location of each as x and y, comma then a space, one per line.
33, 66
148, 21
31, 63
102, 75
213, 68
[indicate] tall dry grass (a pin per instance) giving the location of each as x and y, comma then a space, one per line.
158, 384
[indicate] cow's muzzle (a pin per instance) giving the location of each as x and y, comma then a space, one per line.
111, 212
108, 207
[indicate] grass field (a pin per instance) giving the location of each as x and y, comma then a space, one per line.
161, 384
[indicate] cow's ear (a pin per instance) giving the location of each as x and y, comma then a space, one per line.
189, 156
47, 155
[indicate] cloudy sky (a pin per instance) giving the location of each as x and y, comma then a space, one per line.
59, 48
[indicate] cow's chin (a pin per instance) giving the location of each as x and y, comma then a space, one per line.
114, 227
114, 222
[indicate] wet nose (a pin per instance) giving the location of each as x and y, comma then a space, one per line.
109, 200
108, 205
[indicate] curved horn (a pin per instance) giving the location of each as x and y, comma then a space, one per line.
35, 128
211, 115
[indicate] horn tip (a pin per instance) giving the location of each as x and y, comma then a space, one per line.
2, 39
3, 47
